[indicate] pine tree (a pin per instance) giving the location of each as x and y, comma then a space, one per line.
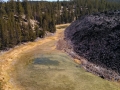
27, 9
19, 7
32, 35
12, 6
18, 33
2, 9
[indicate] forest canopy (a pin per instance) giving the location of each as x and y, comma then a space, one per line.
22, 21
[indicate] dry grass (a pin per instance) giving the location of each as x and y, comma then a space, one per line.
8, 58
19, 72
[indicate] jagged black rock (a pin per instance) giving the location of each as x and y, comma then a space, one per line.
97, 38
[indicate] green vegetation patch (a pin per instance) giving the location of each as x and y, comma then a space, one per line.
63, 74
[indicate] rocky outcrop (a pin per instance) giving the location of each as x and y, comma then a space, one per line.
97, 38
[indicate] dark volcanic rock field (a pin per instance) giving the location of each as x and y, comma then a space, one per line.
97, 38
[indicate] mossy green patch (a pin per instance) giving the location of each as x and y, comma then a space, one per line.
45, 61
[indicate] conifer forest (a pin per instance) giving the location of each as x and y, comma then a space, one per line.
22, 21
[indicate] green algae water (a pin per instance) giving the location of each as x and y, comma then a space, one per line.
44, 68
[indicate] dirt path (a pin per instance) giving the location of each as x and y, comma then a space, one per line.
65, 76
9, 57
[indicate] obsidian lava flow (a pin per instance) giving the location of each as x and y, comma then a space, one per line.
97, 38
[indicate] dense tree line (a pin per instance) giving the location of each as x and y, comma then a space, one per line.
22, 21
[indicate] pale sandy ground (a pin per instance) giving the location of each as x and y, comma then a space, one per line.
9, 57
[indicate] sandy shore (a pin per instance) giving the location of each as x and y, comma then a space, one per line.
8, 58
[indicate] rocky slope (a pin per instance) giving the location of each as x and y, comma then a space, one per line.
97, 38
